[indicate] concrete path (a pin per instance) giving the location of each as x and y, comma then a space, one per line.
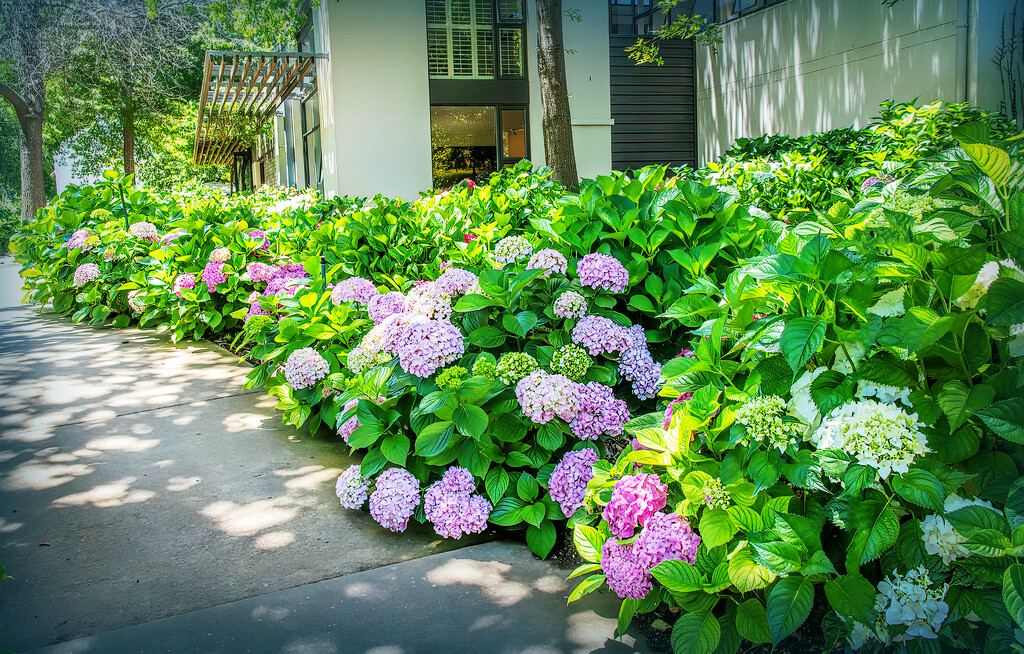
139, 481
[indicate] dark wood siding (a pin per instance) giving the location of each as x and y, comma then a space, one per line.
654, 107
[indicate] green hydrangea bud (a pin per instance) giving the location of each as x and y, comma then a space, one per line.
451, 378
99, 214
715, 495
514, 366
571, 361
484, 366
256, 324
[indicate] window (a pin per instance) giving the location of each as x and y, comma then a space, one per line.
474, 141
639, 17
309, 109
730, 9
461, 37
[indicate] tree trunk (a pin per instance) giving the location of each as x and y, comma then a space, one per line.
554, 95
128, 134
33, 179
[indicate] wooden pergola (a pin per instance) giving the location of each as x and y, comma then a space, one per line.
241, 91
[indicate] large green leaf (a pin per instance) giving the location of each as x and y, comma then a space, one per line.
678, 576
993, 161
434, 438
876, 529
541, 539
752, 621
1006, 418
588, 542
959, 401
801, 338
470, 420
716, 528
1004, 302
789, 604
853, 597
920, 487
696, 633
923, 326
1013, 592
746, 574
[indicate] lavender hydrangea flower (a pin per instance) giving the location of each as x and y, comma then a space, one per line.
454, 281
259, 272
602, 271
625, 575
570, 305
85, 273
170, 238
511, 249
549, 260
599, 335
354, 289
213, 274
260, 235
637, 366
599, 412
635, 498
304, 368
449, 504
144, 231
424, 347
394, 499
78, 238
352, 488
184, 282
543, 396
431, 300
388, 304
666, 536
349, 426
568, 482
220, 255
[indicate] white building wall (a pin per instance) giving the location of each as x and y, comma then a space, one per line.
808, 65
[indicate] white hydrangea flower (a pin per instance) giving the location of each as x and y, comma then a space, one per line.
860, 634
882, 436
988, 274
942, 539
802, 405
884, 393
910, 600
954, 503
762, 416
856, 350
890, 304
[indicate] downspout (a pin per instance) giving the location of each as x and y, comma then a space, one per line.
971, 80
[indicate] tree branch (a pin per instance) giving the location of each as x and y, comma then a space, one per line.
20, 107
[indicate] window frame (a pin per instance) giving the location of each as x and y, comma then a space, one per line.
500, 161
497, 24
306, 130
760, 5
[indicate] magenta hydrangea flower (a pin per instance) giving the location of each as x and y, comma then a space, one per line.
634, 499
666, 536
449, 504
568, 482
603, 272
354, 289
304, 368
348, 427
599, 412
184, 282
77, 239
254, 306
394, 499
259, 272
671, 408
220, 255
388, 304
352, 488
85, 273
260, 235
542, 396
431, 300
570, 305
213, 274
549, 260
454, 281
625, 575
424, 347
599, 335
144, 231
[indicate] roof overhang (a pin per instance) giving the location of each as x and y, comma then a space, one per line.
240, 92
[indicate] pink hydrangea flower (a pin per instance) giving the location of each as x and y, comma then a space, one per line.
354, 289
549, 260
424, 347
454, 281
570, 305
599, 335
304, 368
85, 273
259, 272
634, 499
144, 231
220, 255
431, 300
184, 282
568, 482
542, 396
388, 304
450, 505
603, 272
213, 274
637, 366
599, 412
259, 235
77, 239
666, 536
394, 499
625, 575
348, 427
352, 488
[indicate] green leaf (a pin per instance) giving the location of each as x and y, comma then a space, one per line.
752, 621
831, 389
971, 519
590, 584
801, 338
920, 487
763, 470
470, 420
922, 327
746, 574
696, 633
534, 513
877, 529
959, 402
1013, 592
853, 597
395, 448
527, 488
993, 161
789, 604
778, 556
1014, 508
434, 438
885, 368
508, 511
678, 576
496, 482
541, 539
1006, 418
1004, 302
473, 302
588, 542
716, 528
487, 337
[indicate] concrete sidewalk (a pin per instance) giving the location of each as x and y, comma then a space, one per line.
139, 481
